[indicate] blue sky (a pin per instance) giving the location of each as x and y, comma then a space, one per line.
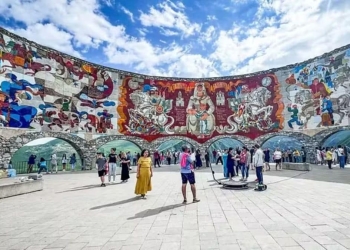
188, 38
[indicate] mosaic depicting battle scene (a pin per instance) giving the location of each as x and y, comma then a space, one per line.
319, 93
44, 91
200, 110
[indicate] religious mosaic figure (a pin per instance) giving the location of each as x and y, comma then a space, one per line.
200, 109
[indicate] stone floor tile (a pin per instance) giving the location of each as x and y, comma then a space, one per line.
75, 246
131, 247
324, 240
286, 242
311, 245
345, 243
335, 247
229, 247
115, 245
37, 247
170, 246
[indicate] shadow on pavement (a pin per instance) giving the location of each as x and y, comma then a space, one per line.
155, 211
80, 188
116, 203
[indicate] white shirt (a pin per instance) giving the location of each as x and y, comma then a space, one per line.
219, 154
258, 158
277, 155
340, 151
193, 156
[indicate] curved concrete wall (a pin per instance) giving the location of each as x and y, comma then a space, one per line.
47, 91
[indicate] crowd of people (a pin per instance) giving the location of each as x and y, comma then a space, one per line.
332, 156
54, 161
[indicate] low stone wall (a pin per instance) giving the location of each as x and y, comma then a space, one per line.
13, 189
297, 166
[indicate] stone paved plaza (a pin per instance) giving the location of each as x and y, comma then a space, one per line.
73, 212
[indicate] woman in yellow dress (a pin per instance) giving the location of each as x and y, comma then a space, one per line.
144, 174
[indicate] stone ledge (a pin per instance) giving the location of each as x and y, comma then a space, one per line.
297, 166
13, 189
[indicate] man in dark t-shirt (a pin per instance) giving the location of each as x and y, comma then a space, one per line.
101, 168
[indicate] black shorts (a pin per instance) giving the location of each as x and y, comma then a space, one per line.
188, 177
101, 173
278, 160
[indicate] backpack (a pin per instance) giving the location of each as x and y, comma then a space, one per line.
183, 161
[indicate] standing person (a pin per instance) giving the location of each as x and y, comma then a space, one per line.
31, 163
303, 154
318, 156
72, 161
244, 162
187, 174
329, 156
134, 159
251, 151
198, 159
54, 163
64, 162
168, 157
258, 161
125, 168
237, 161
277, 157
112, 165
224, 166
207, 159
156, 157
101, 168
42, 165
345, 154
341, 157
230, 164
219, 158
267, 159
290, 155
144, 174
214, 155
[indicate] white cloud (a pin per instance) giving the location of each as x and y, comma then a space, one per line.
170, 15
50, 36
128, 12
300, 30
305, 30
211, 17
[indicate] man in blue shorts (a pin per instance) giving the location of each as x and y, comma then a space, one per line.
187, 173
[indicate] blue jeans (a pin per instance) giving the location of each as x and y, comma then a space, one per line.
259, 174
41, 169
296, 120
245, 171
342, 161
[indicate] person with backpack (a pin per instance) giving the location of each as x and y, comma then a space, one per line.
187, 174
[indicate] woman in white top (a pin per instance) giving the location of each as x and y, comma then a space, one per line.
318, 157
277, 156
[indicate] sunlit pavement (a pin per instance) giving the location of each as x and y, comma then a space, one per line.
299, 210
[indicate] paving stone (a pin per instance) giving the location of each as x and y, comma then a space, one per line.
294, 214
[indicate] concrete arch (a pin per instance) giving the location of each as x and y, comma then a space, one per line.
306, 140
79, 144
100, 141
303, 138
242, 139
323, 135
156, 143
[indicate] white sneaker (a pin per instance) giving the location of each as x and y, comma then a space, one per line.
242, 179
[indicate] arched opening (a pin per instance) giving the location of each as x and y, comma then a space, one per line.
224, 143
282, 142
169, 150
46, 148
338, 138
132, 149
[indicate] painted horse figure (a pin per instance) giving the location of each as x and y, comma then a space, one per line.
309, 105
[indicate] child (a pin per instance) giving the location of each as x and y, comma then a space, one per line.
101, 168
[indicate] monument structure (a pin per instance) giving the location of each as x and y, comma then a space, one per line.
48, 93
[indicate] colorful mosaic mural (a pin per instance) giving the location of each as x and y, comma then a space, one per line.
44, 90
48, 92
200, 110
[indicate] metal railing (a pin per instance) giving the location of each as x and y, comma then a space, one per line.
22, 166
